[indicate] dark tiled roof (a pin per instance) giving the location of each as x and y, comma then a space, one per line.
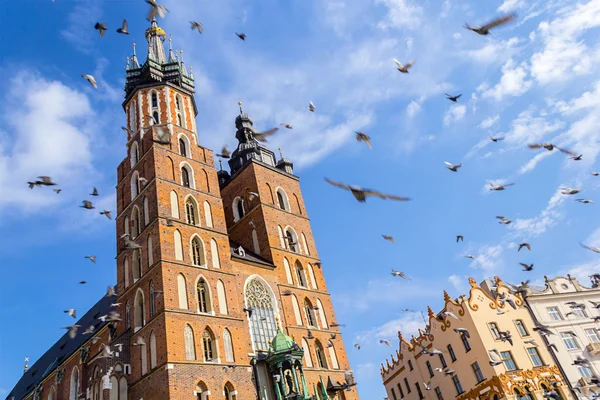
249, 255
60, 351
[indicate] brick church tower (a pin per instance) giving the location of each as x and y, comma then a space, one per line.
220, 290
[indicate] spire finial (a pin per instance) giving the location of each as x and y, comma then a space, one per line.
220, 165
26, 367
278, 324
134, 48
240, 104
280, 153
181, 54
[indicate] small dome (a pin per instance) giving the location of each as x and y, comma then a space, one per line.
282, 342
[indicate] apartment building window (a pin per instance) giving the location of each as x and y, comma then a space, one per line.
419, 390
457, 385
429, 368
536, 360
478, 373
494, 329
585, 371
579, 313
443, 361
554, 313
521, 328
569, 340
509, 363
465, 342
400, 391
451, 352
438, 393
394, 394
407, 385
592, 335
410, 365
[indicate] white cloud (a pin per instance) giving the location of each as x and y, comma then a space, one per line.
511, 5
455, 114
401, 14
408, 324
488, 258
49, 125
456, 35
531, 164
78, 31
512, 83
548, 217
413, 109
459, 283
582, 272
493, 51
489, 121
527, 128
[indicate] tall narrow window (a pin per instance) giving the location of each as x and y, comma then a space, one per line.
307, 358
465, 341
419, 390
126, 272
135, 185
208, 343
146, 212
509, 363
333, 355
191, 211
208, 214
188, 338
74, 392
174, 205
438, 393
152, 300
300, 274
457, 385
400, 390
127, 316
321, 311
202, 293
222, 297
282, 200
477, 372
305, 244
228, 344
152, 350
263, 327
150, 252
137, 265
451, 352
154, 100
238, 208
494, 329
311, 320
198, 257
178, 245
536, 360
569, 340
320, 354
311, 274
138, 312
155, 118
182, 148
521, 328
443, 361
429, 368
134, 154
288, 271
407, 385
214, 253
296, 308
123, 388
410, 365
292, 240
394, 394
135, 222
255, 244
185, 177
182, 292
114, 389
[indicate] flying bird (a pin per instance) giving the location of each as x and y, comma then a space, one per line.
462, 331
524, 244
82, 282
286, 293
106, 213
386, 342
389, 238
400, 274
404, 68
569, 191
357, 346
427, 385
197, 25
310, 335
311, 106
334, 324
225, 153
41, 181
500, 187
156, 10
72, 330
163, 136
110, 291
361, 194
452, 98
130, 244
594, 249
91, 80
124, 29
57, 191
94, 192
249, 311
550, 147
453, 167
504, 220
91, 258
460, 237
496, 139
585, 201
101, 27
531, 342
71, 312
87, 205
485, 29
446, 314
241, 35
578, 158
596, 173
527, 267
470, 256
262, 137
288, 126
89, 330
363, 137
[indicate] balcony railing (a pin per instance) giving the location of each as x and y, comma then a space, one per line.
593, 348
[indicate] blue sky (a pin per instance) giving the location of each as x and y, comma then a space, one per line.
534, 80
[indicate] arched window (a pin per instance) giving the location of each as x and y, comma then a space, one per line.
238, 208
183, 147
307, 358
228, 344
150, 252
185, 177
222, 297
152, 350
288, 271
137, 265
214, 252
135, 184
292, 240
126, 271
123, 388
298, 205
281, 237
282, 199
135, 222
309, 312
180, 111
305, 244
51, 395
182, 292
174, 205
114, 388
171, 165
138, 312
296, 308
191, 211
126, 225
260, 298
190, 347
155, 118
208, 214
198, 255
322, 318
134, 154
154, 100
333, 356
300, 275
132, 116
127, 316
311, 274
203, 294
146, 212
229, 392
152, 299
74, 392
320, 355
208, 342
207, 181
202, 391
270, 193
178, 245
255, 242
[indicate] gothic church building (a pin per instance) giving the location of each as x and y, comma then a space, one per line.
220, 293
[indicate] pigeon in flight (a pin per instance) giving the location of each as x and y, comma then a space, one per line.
249, 311
197, 25
91, 80
585, 201
569, 191
311, 106
241, 35
91, 258
453, 98
310, 335
462, 331
446, 314
94, 192
110, 291
72, 312
72, 330
357, 346
404, 68
596, 173
225, 153
503, 220
472, 257
124, 29
550, 147
156, 10
42, 181
527, 267
288, 126
453, 167
361, 194
485, 29
87, 205
524, 244
363, 137
496, 139
334, 324
400, 274
500, 187
578, 158
460, 237
389, 238
592, 248
57, 191
386, 342
106, 213
262, 137
101, 27
286, 293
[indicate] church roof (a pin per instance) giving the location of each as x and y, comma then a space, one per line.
60, 351
248, 256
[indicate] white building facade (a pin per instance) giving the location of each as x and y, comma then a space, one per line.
569, 310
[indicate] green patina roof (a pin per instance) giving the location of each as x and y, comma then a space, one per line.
281, 342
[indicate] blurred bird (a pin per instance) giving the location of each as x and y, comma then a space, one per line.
504, 220
124, 29
595, 304
87, 205
453, 167
361, 194
500, 187
106, 213
446, 314
110, 291
251, 196
527, 267
101, 27
262, 136
594, 249
524, 244
404, 68
156, 10
357, 346
400, 274
310, 335
106, 352
89, 330
91, 258
91, 80
57, 191
241, 35
72, 330
427, 385
452, 98
578, 158
363, 137
249, 311
470, 256
584, 201
550, 147
389, 238
163, 136
334, 324
42, 181
485, 29
462, 331
596, 173
386, 342
496, 139
569, 191
94, 192
225, 153
449, 372
286, 293
288, 126
460, 237
332, 335
72, 312
197, 25
82, 282
531, 342
311, 106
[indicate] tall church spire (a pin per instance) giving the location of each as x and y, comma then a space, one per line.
155, 36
